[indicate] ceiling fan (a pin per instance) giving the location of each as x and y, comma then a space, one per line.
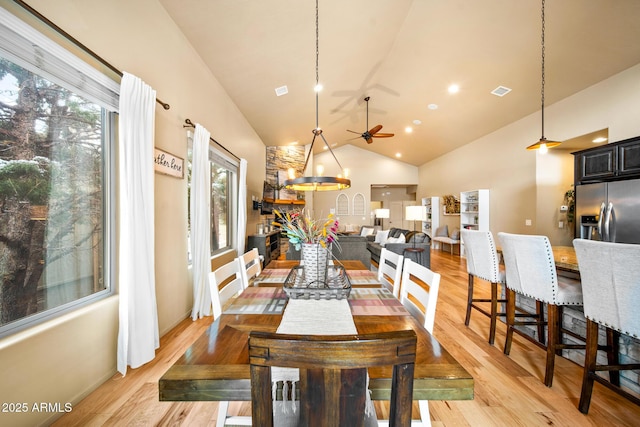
374, 132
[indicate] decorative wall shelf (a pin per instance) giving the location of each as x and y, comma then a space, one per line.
284, 201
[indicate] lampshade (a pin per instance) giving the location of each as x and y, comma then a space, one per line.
543, 145
416, 213
382, 213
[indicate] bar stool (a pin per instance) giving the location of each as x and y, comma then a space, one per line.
610, 275
531, 272
483, 262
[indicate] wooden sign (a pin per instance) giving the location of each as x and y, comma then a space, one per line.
168, 164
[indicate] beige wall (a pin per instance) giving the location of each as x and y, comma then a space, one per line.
63, 360
528, 185
366, 168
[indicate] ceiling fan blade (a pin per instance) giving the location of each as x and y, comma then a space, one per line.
375, 129
353, 131
383, 135
369, 140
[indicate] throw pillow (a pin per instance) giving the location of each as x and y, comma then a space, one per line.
455, 233
418, 238
442, 231
399, 239
381, 236
366, 231
395, 232
409, 236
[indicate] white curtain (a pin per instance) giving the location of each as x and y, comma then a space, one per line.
242, 207
138, 336
200, 214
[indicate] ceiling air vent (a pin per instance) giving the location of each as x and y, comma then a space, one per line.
501, 91
282, 90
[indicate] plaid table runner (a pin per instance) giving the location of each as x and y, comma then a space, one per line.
272, 300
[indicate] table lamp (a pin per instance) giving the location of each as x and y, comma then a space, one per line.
416, 213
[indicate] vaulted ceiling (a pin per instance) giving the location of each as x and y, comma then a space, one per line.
404, 54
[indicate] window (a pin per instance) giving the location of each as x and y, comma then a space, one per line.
56, 146
224, 177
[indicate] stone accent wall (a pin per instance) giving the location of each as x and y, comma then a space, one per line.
279, 160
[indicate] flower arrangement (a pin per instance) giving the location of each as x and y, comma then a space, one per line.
301, 228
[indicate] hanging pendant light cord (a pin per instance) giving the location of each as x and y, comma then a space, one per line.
542, 90
317, 131
317, 62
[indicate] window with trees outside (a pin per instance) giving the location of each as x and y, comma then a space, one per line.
224, 177
56, 146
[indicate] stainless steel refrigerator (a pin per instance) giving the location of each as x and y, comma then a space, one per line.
609, 211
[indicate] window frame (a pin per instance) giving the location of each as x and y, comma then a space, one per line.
80, 69
232, 166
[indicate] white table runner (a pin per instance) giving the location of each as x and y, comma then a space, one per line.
314, 317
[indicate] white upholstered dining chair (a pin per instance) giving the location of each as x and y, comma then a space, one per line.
390, 270
610, 275
531, 272
483, 263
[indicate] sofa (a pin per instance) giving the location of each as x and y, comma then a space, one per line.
375, 245
352, 247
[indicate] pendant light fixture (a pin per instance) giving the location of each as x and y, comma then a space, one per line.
318, 182
543, 144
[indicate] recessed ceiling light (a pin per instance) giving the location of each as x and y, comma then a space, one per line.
454, 88
432, 106
408, 129
282, 90
599, 139
417, 122
398, 155
501, 91
293, 143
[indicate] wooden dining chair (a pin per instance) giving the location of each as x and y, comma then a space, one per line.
419, 295
225, 282
251, 266
390, 270
610, 275
333, 375
531, 272
483, 263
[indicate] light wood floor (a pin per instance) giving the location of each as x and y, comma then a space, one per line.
508, 390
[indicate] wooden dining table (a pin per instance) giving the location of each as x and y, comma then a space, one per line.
216, 366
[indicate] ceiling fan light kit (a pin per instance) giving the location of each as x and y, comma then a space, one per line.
318, 182
543, 144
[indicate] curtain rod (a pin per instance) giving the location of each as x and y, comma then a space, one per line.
189, 124
77, 43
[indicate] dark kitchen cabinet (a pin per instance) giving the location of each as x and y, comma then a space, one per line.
617, 160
